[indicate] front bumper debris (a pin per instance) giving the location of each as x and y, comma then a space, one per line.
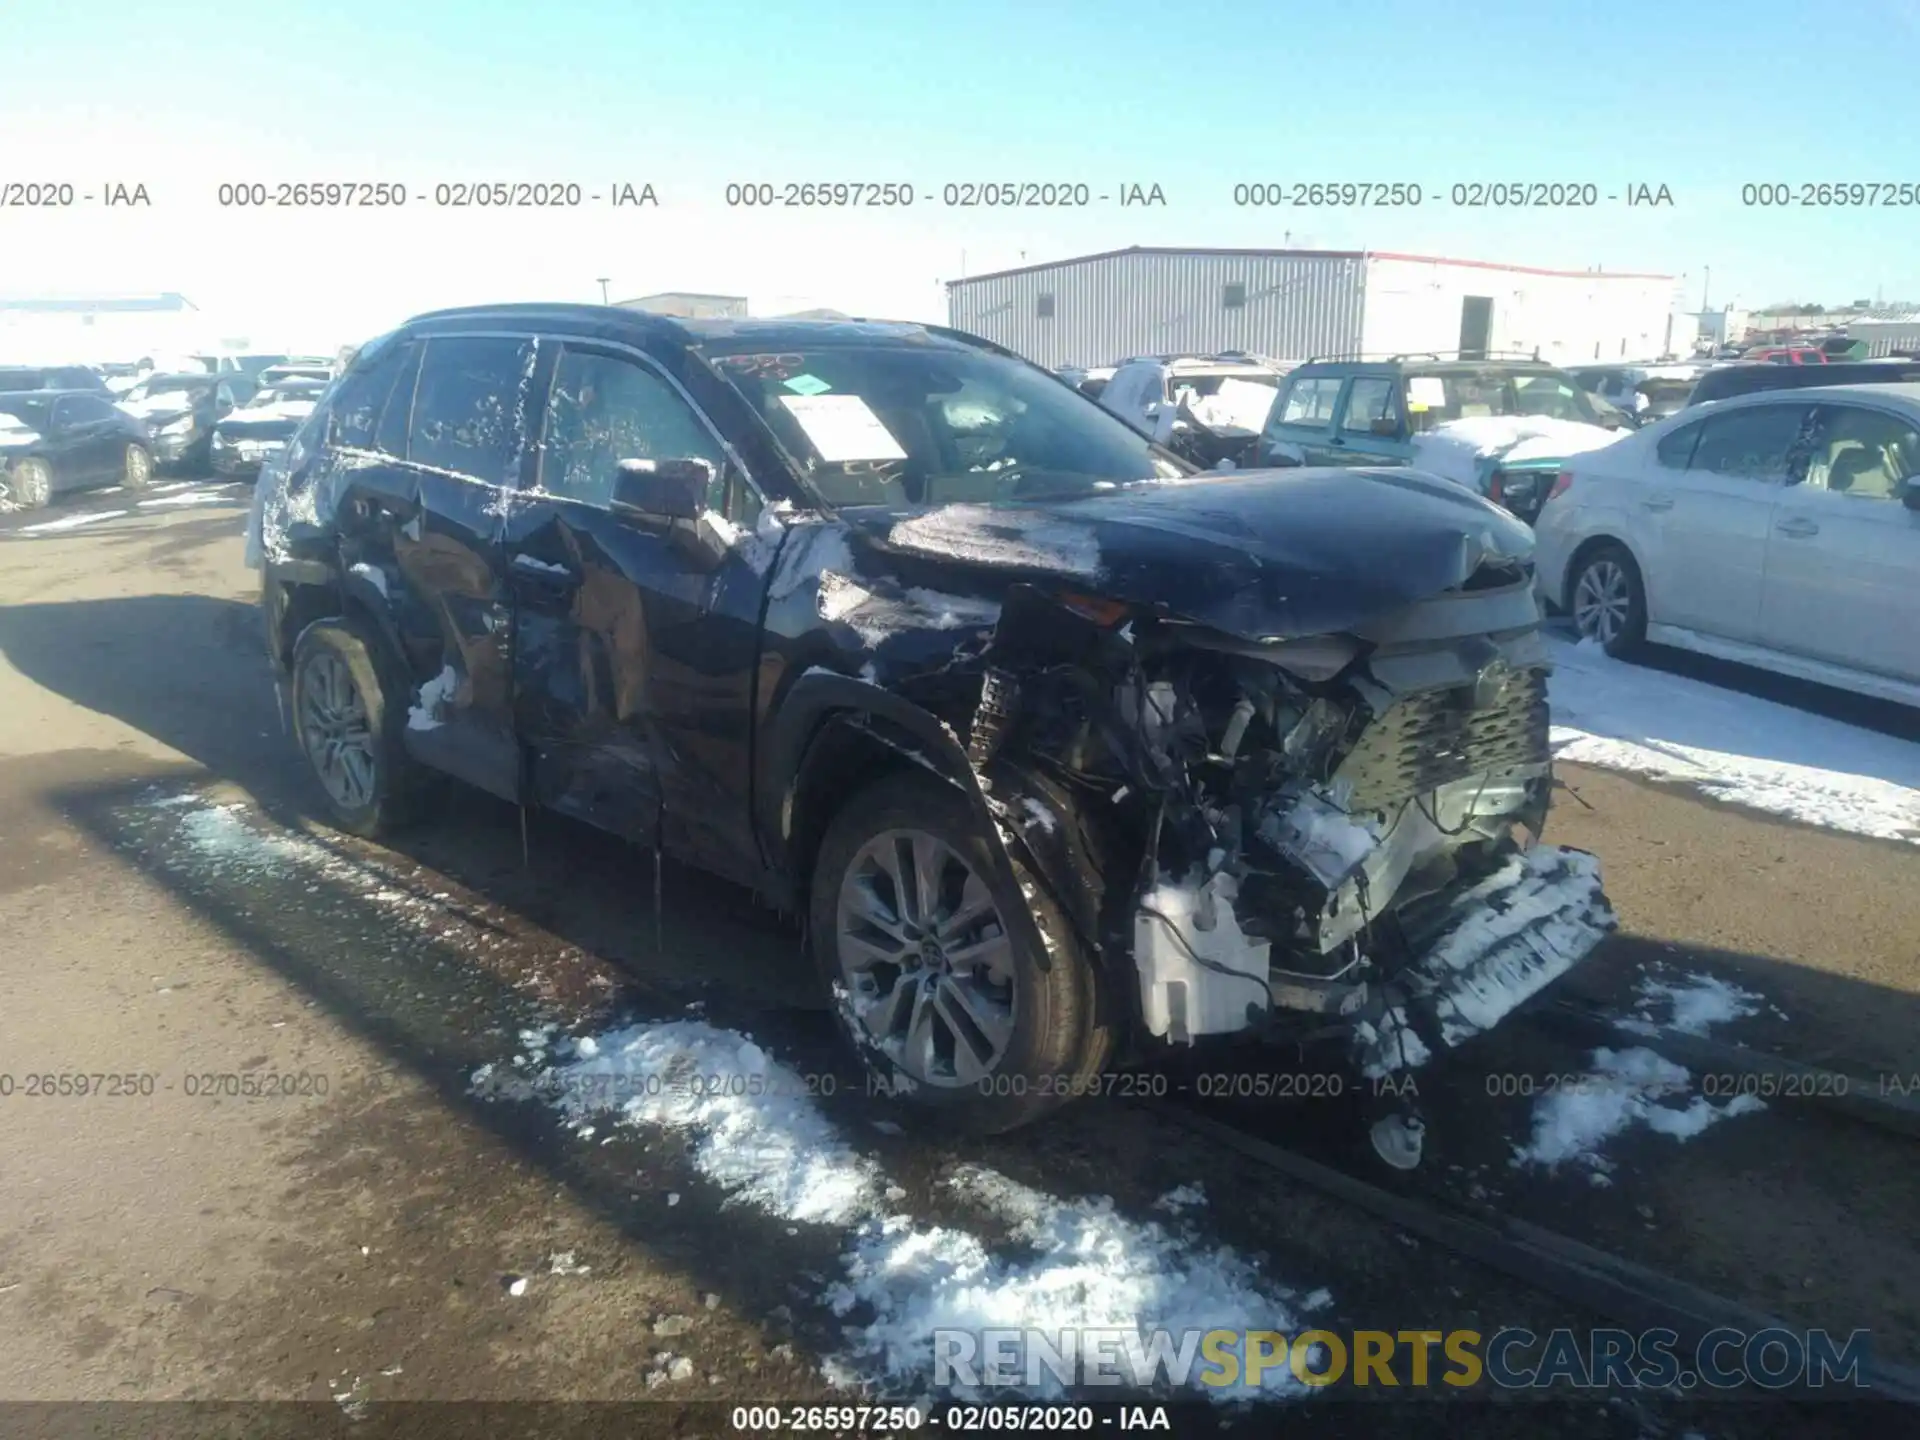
1501, 941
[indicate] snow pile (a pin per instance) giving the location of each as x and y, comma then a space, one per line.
425, 712
1694, 1004
1455, 449
71, 522
1001, 536
15, 433
1733, 747
1625, 1088
1082, 1267
874, 617
274, 410
759, 1136
190, 497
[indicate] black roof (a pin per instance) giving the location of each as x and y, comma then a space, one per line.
717, 333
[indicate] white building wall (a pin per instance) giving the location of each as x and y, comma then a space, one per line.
1414, 305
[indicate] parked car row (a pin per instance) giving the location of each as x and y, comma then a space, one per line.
74, 427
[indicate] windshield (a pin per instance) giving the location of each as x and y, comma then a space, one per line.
905, 425
306, 390
1437, 396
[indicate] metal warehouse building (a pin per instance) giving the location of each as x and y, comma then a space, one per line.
1291, 304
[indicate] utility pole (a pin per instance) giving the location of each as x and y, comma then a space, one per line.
602, 283
1706, 285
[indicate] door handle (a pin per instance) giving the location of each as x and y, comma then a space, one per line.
1657, 502
1797, 526
537, 574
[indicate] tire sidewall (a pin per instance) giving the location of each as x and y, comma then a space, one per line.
1054, 1041
36, 497
349, 642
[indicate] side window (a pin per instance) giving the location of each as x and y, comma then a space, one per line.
395, 409
66, 413
1310, 400
1370, 399
1751, 444
87, 408
362, 392
466, 409
603, 409
1864, 453
1675, 451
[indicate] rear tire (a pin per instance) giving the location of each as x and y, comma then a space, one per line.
964, 1023
1608, 601
349, 715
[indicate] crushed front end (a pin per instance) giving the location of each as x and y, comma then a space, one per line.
1333, 837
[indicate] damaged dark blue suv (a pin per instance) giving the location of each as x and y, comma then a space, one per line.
1061, 750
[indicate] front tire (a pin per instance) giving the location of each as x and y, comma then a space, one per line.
30, 484
1608, 600
349, 722
137, 467
933, 984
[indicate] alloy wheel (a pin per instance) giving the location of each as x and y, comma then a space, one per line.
336, 732
31, 484
926, 958
139, 467
1602, 600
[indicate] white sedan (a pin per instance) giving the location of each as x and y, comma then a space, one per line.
1780, 529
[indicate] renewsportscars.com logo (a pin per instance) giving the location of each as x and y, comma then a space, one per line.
1046, 1361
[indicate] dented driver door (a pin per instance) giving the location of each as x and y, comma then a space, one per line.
634, 645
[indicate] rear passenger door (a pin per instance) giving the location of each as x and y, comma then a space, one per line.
428, 446
635, 639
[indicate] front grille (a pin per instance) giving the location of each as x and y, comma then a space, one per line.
1436, 736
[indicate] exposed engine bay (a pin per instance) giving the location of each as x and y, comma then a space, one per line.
1335, 834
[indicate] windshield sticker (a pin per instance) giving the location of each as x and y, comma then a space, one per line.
843, 428
1426, 392
807, 385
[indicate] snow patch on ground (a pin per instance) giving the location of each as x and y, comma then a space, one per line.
1074, 1264
71, 522
1001, 536
1625, 1088
1455, 449
189, 497
1733, 747
767, 1145
1693, 1004
1080, 1267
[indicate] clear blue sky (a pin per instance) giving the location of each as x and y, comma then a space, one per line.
1193, 96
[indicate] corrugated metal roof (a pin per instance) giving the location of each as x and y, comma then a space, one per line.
1204, 251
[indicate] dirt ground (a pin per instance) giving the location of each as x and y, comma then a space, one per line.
380, 1233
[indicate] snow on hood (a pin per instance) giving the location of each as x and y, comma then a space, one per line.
1237, 407
985, 535
1455, 448
278, 410
161, 402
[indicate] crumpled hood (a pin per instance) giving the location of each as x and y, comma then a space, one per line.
1255, 553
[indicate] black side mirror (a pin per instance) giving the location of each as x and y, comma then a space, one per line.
662, 489
1910, 492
